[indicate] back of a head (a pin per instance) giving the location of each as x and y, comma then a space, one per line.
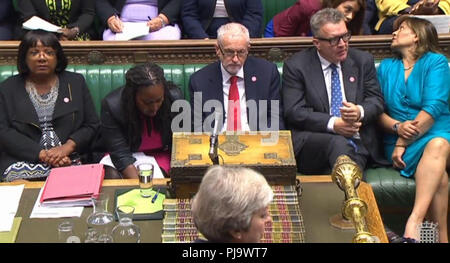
226, 200
324, 16
233, 29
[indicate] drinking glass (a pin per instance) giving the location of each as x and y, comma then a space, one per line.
145, 178
65, 233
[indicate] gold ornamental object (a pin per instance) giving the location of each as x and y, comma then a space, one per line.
347, 175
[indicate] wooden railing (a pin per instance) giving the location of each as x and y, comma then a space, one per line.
196, 51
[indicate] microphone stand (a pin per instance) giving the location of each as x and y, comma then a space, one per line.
214, 140
213, 149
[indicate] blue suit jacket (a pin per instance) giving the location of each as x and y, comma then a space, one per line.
198, 14
262, 82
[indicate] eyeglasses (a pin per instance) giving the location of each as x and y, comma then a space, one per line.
231, 53
334, 41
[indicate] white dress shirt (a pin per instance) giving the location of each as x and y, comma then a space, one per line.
220, 10
242, 99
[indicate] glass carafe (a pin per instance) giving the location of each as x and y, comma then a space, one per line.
126, 231
100, 219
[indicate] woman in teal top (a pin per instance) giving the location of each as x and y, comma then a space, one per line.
416, 88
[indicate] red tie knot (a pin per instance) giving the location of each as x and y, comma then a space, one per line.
233, 80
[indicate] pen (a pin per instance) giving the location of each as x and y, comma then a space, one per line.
156, 196
149, 18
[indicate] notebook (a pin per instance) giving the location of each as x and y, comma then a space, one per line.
35, 23
73, 185
145, 209
10, 236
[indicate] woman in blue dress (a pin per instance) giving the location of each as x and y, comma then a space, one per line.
416, 87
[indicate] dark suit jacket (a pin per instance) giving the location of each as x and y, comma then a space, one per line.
106, 8
114, 128
262, 82
7, 19
305, 97
198, 14
19, 124
81, 15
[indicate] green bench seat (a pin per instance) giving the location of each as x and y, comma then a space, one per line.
102, 79
394, 193
273, 7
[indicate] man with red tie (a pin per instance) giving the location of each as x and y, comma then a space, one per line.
245, 89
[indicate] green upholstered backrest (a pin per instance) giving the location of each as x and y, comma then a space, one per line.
7, 71
189, 69
102, 79
273, 7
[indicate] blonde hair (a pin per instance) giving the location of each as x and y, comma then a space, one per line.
227, 199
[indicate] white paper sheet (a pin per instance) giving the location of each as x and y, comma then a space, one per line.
140, 158
10, 197
52, 212
133, 30
35, 23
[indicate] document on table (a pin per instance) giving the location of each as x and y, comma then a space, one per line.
133, 30
140, 158
53, 212
36, 22
10, 196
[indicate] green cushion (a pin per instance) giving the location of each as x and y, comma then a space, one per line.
273, 7
189, 69
390, 188
392, 191
7, 71
101, 79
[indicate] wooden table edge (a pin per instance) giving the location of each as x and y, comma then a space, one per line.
364, 191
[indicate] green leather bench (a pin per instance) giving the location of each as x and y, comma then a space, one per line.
273, 7
102, 79
394, 193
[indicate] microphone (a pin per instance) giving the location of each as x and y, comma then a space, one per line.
213, 140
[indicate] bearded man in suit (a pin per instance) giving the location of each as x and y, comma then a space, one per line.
245, 88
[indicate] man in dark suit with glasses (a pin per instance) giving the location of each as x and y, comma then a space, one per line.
332, 99
245, 89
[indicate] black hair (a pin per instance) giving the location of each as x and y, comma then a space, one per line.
138, 78
355, 26
47, 39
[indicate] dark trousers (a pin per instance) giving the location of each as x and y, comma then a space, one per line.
321, 150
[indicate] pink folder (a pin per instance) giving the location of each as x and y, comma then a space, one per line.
73, 183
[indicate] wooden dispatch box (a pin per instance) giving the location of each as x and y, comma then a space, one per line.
270, 153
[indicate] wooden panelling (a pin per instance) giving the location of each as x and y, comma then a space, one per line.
195, 51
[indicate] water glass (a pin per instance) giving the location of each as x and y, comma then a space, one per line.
65, 233
145, 178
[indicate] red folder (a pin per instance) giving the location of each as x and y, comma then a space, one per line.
73, 185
